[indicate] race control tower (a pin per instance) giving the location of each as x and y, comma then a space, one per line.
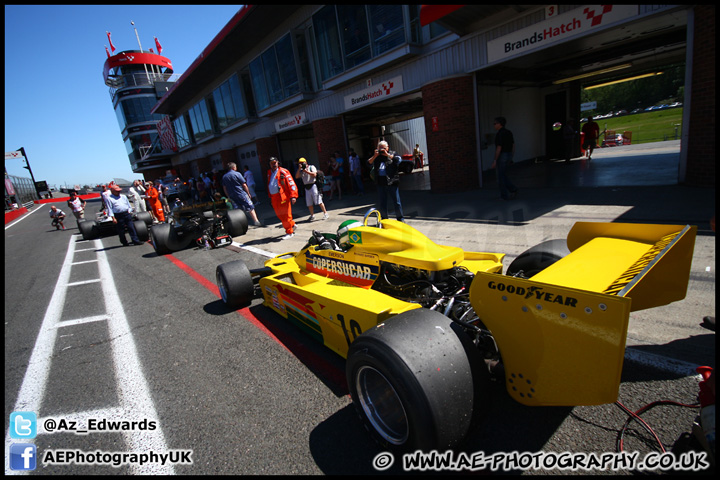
137, 80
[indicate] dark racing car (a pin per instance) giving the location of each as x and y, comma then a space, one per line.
103, 225
207, 224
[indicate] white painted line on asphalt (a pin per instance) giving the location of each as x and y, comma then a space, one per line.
133, 392
80, 321
83, 282
86, 261
252, 249
32, 390
133, 389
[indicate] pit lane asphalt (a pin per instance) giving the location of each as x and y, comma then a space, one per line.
248, 403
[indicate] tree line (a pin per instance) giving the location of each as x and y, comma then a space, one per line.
641, 93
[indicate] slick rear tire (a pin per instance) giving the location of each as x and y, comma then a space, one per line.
160, 235
144, 217
536, 259
89, 230
235, 284
417, 382
141, 229
237, 223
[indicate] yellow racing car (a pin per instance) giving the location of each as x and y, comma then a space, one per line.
423, 326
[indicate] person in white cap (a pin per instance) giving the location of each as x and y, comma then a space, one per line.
121, 212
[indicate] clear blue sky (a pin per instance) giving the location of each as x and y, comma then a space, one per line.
56, 104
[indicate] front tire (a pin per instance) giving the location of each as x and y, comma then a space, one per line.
235, 284
417, 381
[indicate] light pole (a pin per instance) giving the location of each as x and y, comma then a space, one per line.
27, 165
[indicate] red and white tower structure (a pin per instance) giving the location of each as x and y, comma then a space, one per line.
137, 80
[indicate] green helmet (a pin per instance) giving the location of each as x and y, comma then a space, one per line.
343, 232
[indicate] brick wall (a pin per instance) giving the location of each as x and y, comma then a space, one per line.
450, 132
701, 137
184, 170
227, 156
266, 147
204, 165
330, 138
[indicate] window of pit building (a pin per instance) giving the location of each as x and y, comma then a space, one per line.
274, 74
349, 35
327, 42
355, 34
302, 43
200, 121
386, 27
182, 139
137, 110
228, 101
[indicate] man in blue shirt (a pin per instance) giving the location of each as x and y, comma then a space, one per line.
120, 210
237, 191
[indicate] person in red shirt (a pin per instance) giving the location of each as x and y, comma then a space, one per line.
592, 131
283, 192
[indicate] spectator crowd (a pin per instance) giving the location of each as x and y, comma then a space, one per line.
235, 188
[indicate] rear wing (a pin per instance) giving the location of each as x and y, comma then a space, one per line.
190, 209
562, 333
648, 263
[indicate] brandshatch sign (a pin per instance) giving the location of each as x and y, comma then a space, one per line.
374, 93
558, 28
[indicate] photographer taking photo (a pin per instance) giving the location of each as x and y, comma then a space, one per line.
313, 195
387, 179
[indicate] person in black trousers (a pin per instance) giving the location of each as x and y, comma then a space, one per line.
121, 212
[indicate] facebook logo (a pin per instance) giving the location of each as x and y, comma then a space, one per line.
23, 456
23, 425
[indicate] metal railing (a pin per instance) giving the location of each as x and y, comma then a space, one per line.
24, 190
138, 79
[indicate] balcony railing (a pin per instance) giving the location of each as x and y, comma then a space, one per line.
138, 79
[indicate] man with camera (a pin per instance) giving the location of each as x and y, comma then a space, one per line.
387, 178
313, 195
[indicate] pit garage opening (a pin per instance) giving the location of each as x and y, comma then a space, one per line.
401, 123
536, 88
